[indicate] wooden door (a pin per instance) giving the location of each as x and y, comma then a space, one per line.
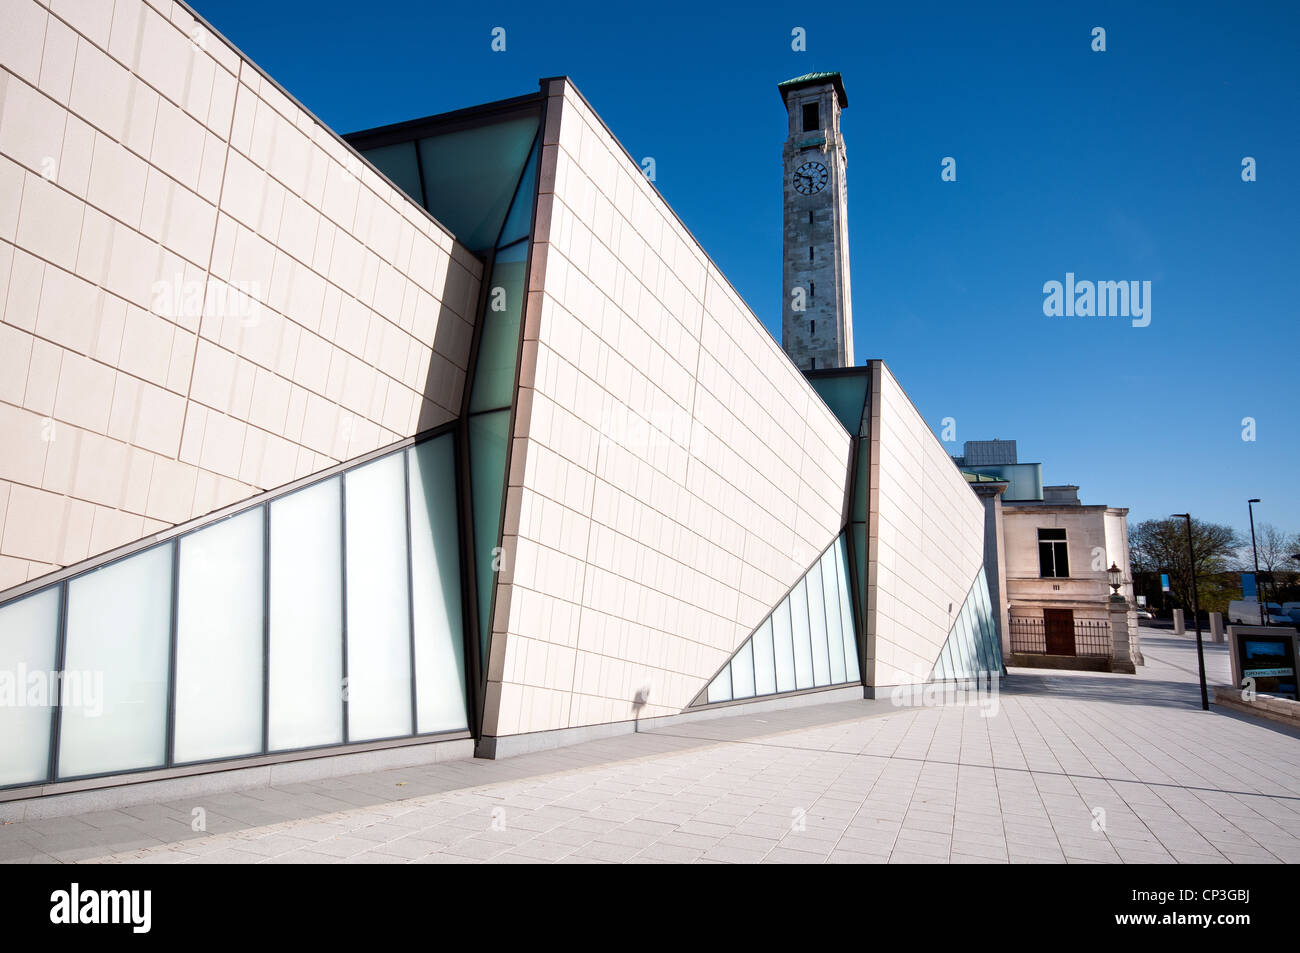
1059, 627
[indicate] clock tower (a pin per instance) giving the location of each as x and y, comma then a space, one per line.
817, 308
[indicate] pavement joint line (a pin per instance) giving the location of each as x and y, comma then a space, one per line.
1030, 771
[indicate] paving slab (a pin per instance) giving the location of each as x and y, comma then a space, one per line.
1070, 767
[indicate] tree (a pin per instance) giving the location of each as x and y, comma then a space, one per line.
1160, 546
1275, 550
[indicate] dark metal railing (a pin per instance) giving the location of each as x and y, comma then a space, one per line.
1091, 637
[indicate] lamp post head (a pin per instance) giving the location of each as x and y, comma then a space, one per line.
1115, 581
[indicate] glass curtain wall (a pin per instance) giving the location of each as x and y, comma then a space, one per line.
330, 614
972, 648
807, 642
848, 396
492, 390
480, 181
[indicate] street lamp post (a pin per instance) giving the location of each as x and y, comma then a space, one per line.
1259, 591
1196, 613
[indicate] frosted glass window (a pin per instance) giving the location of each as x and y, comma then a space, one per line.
219, 640
378, 600
29, 633
851, 671
306, 671
435, 564
803, 660
834, 637
742, 671
817, 626
720, 687
116, 664
783, 643
764, 660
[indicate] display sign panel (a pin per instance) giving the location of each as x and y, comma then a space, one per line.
1270, 661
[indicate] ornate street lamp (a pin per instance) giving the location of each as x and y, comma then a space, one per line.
1115, 580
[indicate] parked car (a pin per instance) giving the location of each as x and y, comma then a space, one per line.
1144, 614
1249, 612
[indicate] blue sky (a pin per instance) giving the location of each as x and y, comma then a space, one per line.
1122, 165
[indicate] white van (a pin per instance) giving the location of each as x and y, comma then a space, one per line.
1247, 612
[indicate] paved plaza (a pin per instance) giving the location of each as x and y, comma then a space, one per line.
1072, 767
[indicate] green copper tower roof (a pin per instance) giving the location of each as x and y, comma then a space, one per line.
815, 79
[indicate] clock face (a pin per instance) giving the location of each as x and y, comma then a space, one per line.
810, 178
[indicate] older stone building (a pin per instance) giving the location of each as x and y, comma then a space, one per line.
1050, 557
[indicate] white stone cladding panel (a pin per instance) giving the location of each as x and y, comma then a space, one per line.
927, 540
673, 474
139, 152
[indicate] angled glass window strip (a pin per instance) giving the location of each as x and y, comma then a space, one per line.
219, 640
306, 660
378, 600
488, 438
860, 553
983, 662
852, 672
742, 672
821, 657
803, 654
519, 221
205, 593
29, 636
845, 395
400, 164
834, 637
113, 713
720, 687
860, 481
971, 644
992, 642
471, 175
440, 683
493, 389
962, 644
494, 368
978, 660
772, 661
783, 643
945, 666
971, 649
764, 660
